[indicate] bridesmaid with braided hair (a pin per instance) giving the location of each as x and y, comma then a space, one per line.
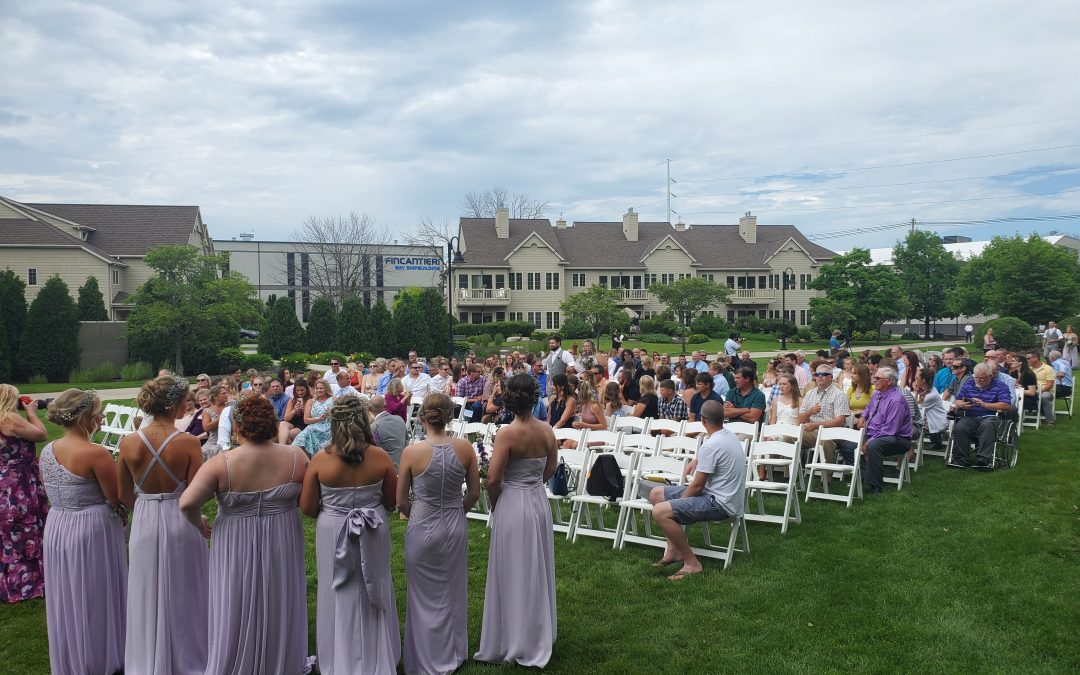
349, 486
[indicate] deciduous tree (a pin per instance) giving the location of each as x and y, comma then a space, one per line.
858, 295
686, 297
341, 253
928, 273
599, 308
91, 304
484, 203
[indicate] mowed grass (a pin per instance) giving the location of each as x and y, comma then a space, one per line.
960, 571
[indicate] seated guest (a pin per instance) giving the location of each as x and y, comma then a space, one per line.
396, 403
631, 392
1045, 377
745, 403
471, 388
1063, 373
278, 398
991, 360
933, 408
612, 400
389, 430
670, 406
563, 404
981, 397
647, 404
1025, 379
720, 383
340, 386
823, 406
714, 494
887, 420
704, 393
591, 411
961, 370
292, 421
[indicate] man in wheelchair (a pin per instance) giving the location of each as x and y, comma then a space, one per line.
979, 401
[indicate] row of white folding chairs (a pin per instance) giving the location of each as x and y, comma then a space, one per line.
118, 422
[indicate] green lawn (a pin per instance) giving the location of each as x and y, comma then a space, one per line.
61, 386
961, 571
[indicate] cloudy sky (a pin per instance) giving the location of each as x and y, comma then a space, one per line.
828, 115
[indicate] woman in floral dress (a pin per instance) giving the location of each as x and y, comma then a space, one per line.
23, 505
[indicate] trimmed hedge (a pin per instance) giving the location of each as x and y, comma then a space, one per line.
260, 362
656, 337
324, 358
696, 339
522, 328
1010, 333
660, 324
230, 356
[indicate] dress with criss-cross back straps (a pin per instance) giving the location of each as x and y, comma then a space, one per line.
356, 617
436, 567
258, 617
519, 600
85, 574
168, 581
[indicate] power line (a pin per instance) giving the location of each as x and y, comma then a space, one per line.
879, 166
881, 185
874, 206
942, 223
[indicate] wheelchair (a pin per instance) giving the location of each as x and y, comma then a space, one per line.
1006, 441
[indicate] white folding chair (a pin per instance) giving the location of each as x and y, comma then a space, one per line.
693, 428
574, 461
779, 431
673, 427
822, 468
459, 406
649, 472
466, 429
775, 455
412, 419
629, 425
112, 426
1025, 415
1068, 401
643, 444
582, 500
744, 430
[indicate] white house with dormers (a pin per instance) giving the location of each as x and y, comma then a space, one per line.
523, 269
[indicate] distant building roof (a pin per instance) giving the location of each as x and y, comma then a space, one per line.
603, 245
128, 230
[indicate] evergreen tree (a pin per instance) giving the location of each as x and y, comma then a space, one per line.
382, 337
5, 356
13, 316
50, 343
283, 334
91, 304
322, 326
354, 327
420, 322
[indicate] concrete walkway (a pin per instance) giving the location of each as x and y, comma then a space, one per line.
855, 350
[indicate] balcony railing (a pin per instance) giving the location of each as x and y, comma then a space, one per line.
752, 295
483, 296
635, 295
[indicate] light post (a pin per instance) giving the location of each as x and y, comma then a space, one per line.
453, 255
783, 308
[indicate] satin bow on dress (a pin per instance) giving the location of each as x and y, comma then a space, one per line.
359, 550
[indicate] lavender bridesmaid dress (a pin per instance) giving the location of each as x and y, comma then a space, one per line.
519, 601
168, 588
436, 557
357, 623
258, 617
85, 574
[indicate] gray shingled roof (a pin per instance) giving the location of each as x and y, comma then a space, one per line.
602, 244
128, 229
27, 232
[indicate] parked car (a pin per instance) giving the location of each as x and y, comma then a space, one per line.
248, 333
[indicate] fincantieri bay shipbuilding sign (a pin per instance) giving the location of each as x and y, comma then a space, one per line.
288, 268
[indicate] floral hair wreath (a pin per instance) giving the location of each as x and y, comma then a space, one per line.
73, 413
340, 413
177, 391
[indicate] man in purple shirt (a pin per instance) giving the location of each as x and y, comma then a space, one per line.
888, 427
981, 397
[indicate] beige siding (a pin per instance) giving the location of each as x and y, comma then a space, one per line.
7, 212
667, 259
134, 275
73, 266
535, 257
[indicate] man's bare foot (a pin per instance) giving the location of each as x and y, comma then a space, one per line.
685, 572
664, 562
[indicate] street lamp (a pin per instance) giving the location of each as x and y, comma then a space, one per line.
783, 307
453, 255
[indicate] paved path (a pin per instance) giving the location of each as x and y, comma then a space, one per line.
855, 350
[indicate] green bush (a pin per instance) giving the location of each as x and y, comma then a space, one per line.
655, 337
483, 339
662, 324
38, 379
102, 372
260, 362
696, 339
910, 335
1010, 333
324, 358
297, 362
713, 326
576, 329
50, 343
499, 338
804, 335
522, 328
230, 356
362, 358
135, 371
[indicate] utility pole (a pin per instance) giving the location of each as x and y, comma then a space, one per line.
667, 190
912, 224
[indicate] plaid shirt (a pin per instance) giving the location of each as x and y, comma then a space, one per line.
466, 388
675, 409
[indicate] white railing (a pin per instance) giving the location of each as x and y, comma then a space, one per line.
753, 295
635, 295
480, 294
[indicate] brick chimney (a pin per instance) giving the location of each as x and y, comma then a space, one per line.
502, 223
630, 225
560, 224
680, 226
748, 228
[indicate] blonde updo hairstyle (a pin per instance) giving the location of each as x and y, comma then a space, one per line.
437, 411
9, 403
350, 428
74, 407
161, 394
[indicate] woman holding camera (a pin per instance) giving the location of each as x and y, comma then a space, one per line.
23, 505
